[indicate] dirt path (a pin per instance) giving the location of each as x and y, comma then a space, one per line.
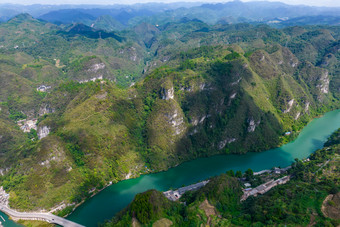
208, 209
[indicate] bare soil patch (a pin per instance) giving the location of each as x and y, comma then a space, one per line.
331, 206
208, 209
164, 222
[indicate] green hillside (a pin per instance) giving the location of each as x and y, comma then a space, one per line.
107, 104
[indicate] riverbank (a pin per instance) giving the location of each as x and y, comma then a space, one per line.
116, 197
297, 199
150, 172
194, 171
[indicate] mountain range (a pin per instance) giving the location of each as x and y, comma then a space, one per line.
92, 96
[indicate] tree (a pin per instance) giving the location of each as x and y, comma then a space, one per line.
249, 174
230, 173
238, 174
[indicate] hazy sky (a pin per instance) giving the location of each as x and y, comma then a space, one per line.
331, 3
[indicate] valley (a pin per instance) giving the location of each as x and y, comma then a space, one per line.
165, 95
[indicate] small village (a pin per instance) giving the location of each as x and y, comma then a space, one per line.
267, 177
26, 125
263, 188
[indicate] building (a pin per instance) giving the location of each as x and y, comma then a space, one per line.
247, 185
175, 195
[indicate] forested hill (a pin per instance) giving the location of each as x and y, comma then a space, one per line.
311, 197
82, 107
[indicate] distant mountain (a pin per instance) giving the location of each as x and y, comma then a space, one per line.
21, 18
68, 16
233, 12
87, 16
23, 31
107, 23
160, 13
83, 30
311, 20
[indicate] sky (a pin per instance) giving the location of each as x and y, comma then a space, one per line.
330, 3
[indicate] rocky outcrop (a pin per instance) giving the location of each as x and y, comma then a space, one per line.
128, 176
176, 121
168, 93
297, 115
199, 120
202, 86
252, 124
95, 67
92, 79
222, 143
166, 125
194, 121
231, 97
290, 105
236, 82
133, 54
167, 90
307, 106
293, 62
45, 109
43, 131
324, 83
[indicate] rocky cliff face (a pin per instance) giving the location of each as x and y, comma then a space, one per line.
45, 109
238, 106
252, 124
43, 131
318, 79
200, 101
168, 93
90, 69
324, 82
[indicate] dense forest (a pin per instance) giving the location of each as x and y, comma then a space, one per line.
81, 107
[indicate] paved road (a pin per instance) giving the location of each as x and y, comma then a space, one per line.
39, 216
192, 187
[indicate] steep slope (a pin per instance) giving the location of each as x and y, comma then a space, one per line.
218, 203
107, 23
196, 90
22, 31
215, 101
68, 16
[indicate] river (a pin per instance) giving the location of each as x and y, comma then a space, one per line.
114, 198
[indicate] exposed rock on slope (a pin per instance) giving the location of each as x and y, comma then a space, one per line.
43, 131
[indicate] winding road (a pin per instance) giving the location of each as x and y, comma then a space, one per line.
38, 216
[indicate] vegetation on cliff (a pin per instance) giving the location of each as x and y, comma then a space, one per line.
145, 99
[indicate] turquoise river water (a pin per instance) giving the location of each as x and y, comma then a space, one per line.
114, 198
